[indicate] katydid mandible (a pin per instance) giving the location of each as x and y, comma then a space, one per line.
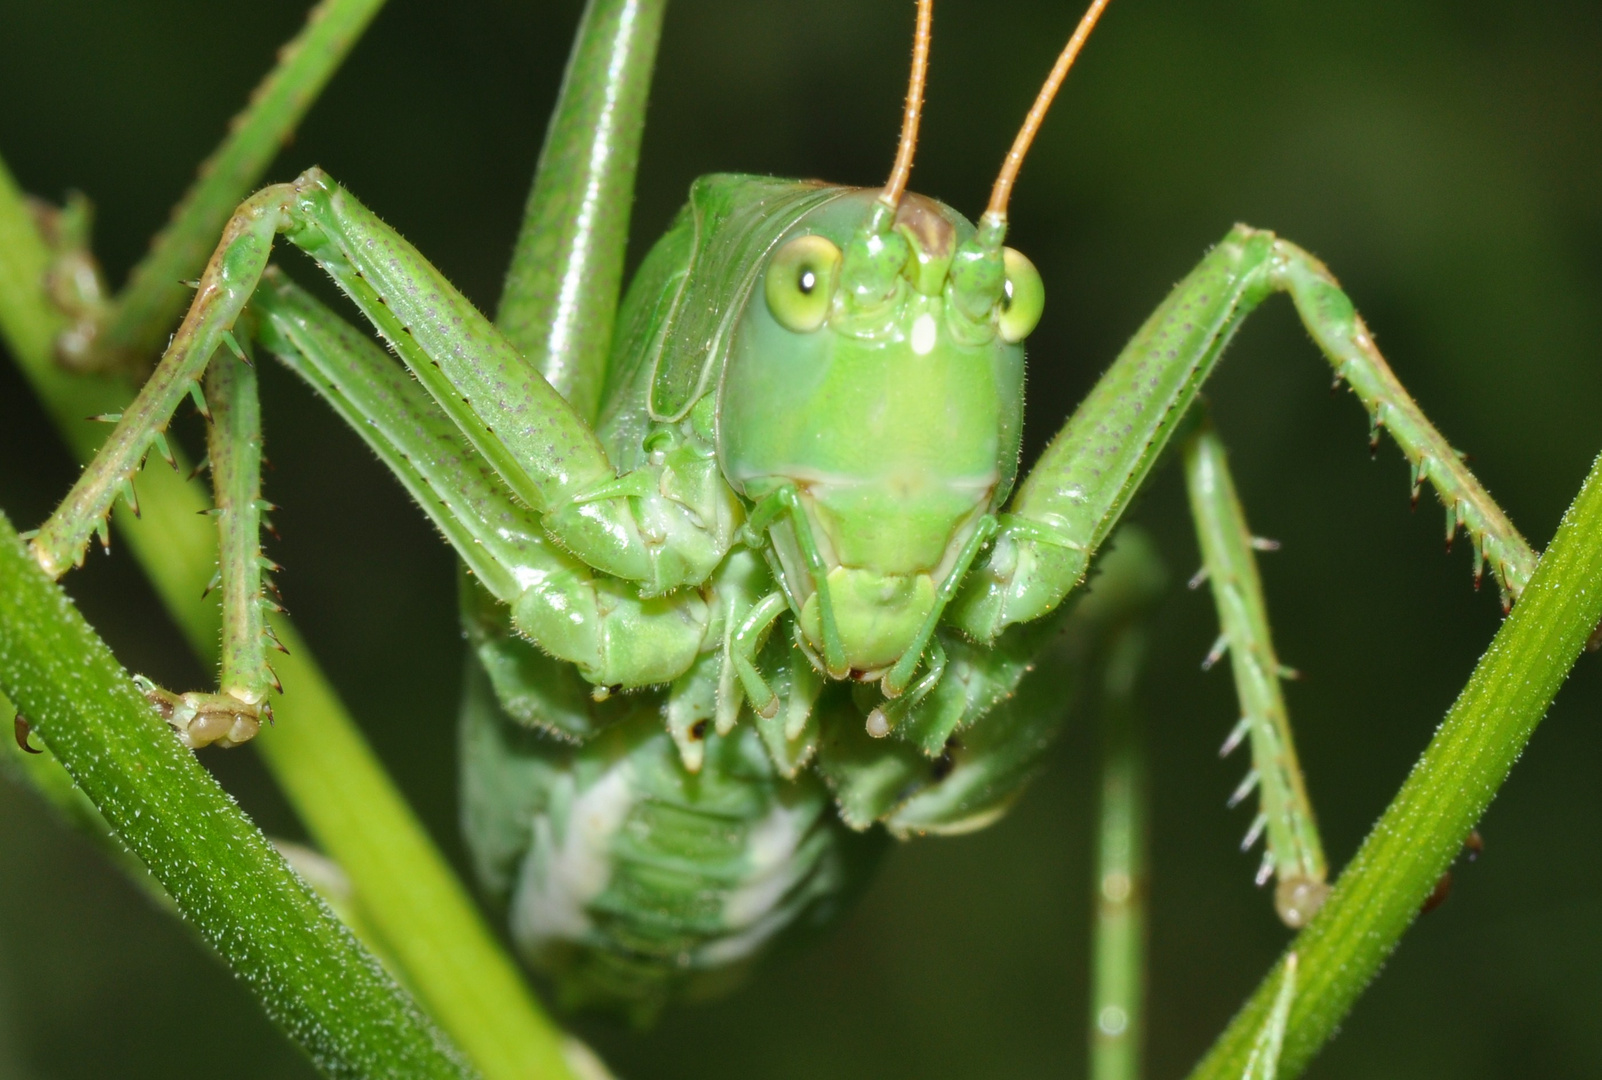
749, 568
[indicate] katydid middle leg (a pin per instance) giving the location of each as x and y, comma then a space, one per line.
554, 597
603, 626
233, 714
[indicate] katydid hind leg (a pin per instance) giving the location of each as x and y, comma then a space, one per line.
1295, 854
1119, 928
1096, 464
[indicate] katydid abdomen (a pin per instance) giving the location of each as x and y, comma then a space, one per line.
626, 879
630, 880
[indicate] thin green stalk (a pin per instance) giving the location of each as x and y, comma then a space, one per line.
1118, 983
310, 974
1423, 829
347, 802
155, 296
560, 297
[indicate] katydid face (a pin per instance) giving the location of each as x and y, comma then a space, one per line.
898, 422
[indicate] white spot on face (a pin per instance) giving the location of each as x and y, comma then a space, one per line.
923, 334
562, 874
1112, 1020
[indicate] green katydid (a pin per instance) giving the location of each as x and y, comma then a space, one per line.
777, 504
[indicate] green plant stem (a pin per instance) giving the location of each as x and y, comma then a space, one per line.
44, 774
310, 974
341, 792
1117, 996
155, 296
1423, 829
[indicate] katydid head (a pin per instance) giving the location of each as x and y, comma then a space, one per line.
871, 380
878, 373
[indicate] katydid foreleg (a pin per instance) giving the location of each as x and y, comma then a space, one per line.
232, 273
233, 715
963, 751
635, 526
1094, 467
896, 680
614, 636
541, 453
784, 504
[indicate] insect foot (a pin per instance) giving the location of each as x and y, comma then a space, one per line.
1297, 900
205, 719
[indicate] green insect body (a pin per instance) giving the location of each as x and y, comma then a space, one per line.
896, 425
750, 570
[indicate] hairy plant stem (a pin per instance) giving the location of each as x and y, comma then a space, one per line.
349, 805
1421, 832
310, 974
37, 768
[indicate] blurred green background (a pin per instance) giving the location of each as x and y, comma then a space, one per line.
1443, 157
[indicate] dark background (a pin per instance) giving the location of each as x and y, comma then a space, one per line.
1443, 157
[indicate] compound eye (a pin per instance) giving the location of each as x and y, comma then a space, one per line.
800, 283
1023, 297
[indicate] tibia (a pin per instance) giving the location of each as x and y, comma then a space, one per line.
229, 280
1286, 816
